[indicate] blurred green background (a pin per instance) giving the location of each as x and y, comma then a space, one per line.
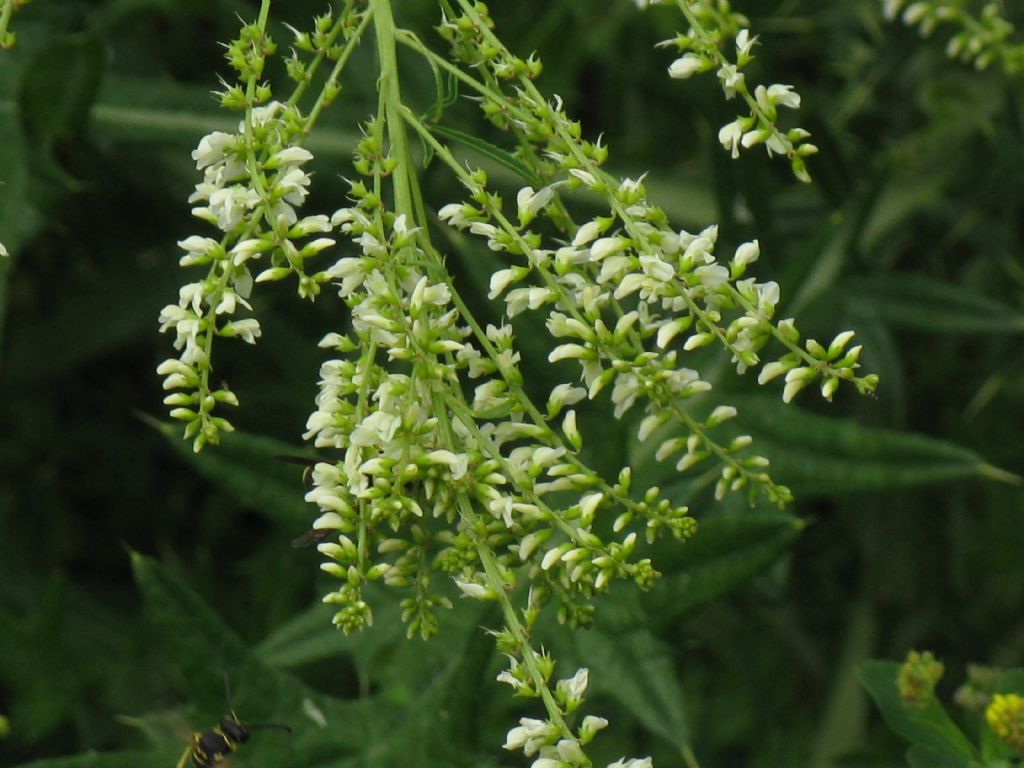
904, 534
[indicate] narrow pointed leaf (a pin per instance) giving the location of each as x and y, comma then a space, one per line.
636, 668
815, 455
206, 650
150, 759
485, 148
244, 466
920, 303
725, 554
926, 727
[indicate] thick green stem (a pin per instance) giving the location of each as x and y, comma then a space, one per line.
384, 27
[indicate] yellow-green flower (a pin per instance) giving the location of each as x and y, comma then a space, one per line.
1005, 716
918, 677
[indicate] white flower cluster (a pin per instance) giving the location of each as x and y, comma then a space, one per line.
982, 40
624, 286
547, 741
405, 464
701, 52
253, 182
677, 288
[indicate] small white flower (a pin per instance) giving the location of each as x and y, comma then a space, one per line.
483, 229
530, 203
472, 589
732, 79
744, 42
507, 677
606, 246
747, 253
500, 281
569, 751
263, 115
570, 352
730, 135
247, 330
291, 156
586, 233
212, 148
575, 686
191, 294
687, 65
712, 275
656, 267
591, 723
378, 428
784, 96
585, 176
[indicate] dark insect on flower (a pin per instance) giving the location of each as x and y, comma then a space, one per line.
311, 537
316, 535
211, 747
305, 461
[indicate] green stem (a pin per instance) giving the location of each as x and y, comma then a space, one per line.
411, 40
384, 27
335, 75
519, 632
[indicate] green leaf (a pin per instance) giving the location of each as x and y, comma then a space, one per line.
992, 747
1011, 681
244, 466
88, 325
310, 636
919, 756
635, 667
726, 553
131, 109
150, 759
60, 86
925, 727
815, 455
206, 650
485, 148
923, 304
20, 193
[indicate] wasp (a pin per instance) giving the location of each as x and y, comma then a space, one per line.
211, 747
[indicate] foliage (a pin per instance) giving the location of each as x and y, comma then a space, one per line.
991, 698
904, 531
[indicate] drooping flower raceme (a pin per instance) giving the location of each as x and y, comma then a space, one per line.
711, 26
435, 461
253, 184
418, 454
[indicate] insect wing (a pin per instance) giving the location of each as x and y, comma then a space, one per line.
309, 538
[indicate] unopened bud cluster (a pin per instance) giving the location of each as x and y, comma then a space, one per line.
1005, 717
917, 678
